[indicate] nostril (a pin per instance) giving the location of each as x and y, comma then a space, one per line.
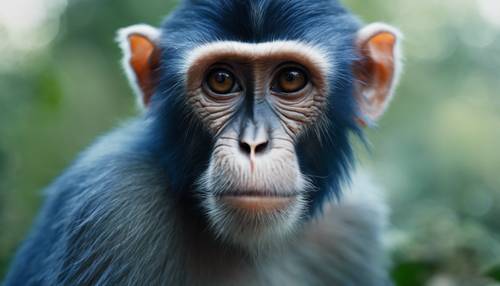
261, 147
245, 148
253, 148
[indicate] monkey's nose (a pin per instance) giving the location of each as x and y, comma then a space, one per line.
253, 147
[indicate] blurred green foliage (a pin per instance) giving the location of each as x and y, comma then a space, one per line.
494, 273
412, 273
437, 151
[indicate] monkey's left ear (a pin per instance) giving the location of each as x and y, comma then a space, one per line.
377, 71
141, 58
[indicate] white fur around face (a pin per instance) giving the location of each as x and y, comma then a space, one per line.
147, 31
313, 53
363, 36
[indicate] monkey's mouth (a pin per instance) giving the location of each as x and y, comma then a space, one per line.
258, 202
254, 217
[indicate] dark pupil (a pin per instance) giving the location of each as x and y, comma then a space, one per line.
221, 77
291, 76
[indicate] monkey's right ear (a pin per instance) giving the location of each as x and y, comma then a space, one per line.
141, 58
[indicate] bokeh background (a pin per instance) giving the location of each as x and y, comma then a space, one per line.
437, 150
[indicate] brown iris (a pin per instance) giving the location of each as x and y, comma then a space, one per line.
290, 80
221, 81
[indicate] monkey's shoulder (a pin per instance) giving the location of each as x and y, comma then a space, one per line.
110, 205
111, 175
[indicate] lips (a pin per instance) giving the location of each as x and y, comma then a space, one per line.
257, 201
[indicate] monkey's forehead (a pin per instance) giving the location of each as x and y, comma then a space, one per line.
310, 55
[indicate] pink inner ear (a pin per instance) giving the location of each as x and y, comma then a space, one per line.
376, 72
144, 59
381, 48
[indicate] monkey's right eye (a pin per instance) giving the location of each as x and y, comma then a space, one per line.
221, 81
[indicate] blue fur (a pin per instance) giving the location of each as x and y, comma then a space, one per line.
174, 142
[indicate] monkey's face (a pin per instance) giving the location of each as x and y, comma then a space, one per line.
256, 100
278, 114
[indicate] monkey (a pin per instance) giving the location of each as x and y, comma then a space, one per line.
239, 169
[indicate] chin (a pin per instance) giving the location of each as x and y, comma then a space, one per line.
254, 221
256, 213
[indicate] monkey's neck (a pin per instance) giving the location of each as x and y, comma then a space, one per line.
341, 248
206, 259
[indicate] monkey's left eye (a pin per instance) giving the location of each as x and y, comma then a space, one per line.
289, 80
221, 81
